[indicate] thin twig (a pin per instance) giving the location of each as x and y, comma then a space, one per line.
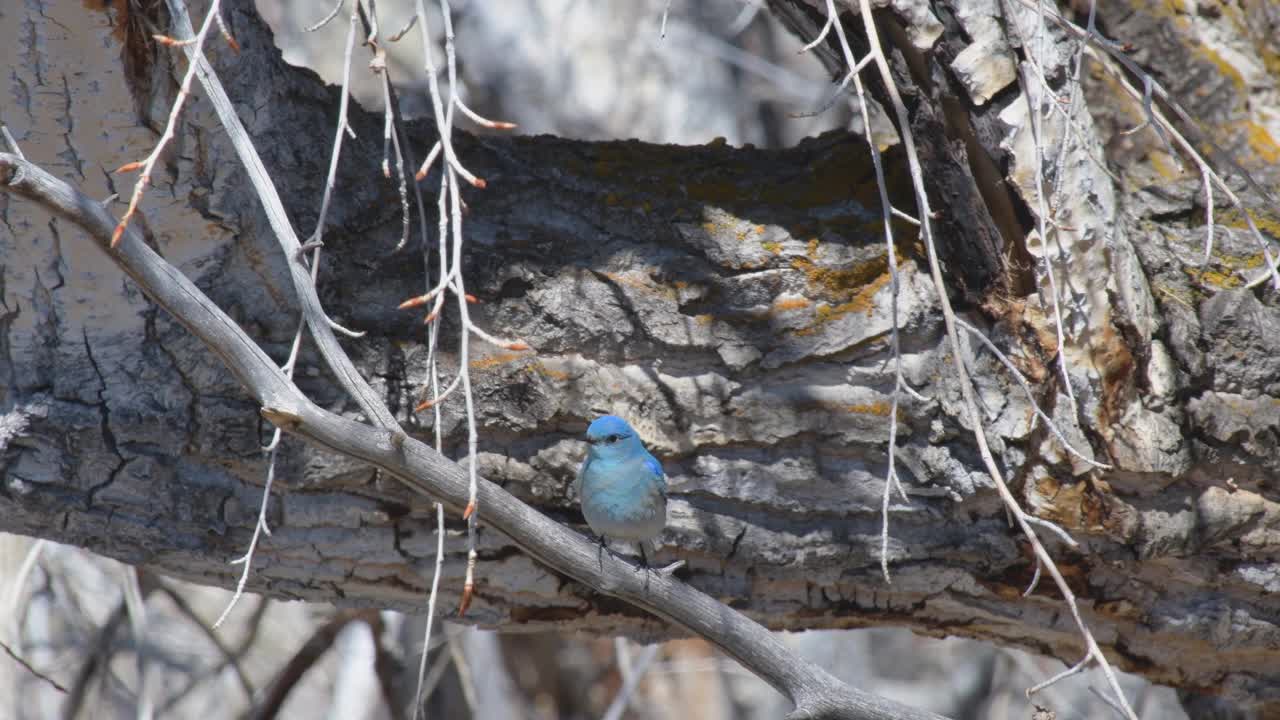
228, 655
631, 682
1026, 389
13, 144
175, 111
259, 528
431, 608
325, 20
28, 667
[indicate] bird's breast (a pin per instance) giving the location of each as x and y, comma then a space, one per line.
623, 501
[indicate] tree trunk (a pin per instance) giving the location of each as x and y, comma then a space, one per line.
734, 304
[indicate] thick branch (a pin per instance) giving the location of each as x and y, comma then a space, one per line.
730, 301
815, 693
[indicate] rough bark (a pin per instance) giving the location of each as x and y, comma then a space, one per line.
731, 301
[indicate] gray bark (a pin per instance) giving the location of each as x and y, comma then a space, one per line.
732, 302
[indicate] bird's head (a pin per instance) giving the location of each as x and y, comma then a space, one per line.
611, 437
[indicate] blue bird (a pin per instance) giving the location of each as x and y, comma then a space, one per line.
622, 487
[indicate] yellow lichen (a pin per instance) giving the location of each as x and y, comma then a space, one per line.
1262, 144
848, 289
1267, 223
839, 282
1163, 165
773, 247
863, 301
1225, 68
1214, 278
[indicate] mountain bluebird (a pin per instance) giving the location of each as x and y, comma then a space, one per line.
621, 486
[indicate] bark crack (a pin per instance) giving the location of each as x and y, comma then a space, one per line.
108, 437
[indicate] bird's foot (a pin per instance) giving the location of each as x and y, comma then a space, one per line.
669, 569
600, 552
643, 565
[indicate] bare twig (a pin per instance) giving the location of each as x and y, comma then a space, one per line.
175, 111
431, 607
630, 681
325, 20
18, 583
463, 668
259, 528
1026, 388
228, 655
11, 142
307, 656
34, 672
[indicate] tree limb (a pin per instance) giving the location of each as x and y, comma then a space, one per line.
814, 692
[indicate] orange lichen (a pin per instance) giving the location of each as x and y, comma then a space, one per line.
1073, 504
541, 368
492, 361
783, 305
880, 408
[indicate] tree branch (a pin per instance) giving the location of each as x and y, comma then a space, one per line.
814, 692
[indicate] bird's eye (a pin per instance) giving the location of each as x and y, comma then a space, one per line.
612, 439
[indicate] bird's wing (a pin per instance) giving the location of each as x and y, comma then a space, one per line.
582, 471
655, 467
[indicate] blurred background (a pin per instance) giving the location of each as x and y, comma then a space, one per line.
587, 70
